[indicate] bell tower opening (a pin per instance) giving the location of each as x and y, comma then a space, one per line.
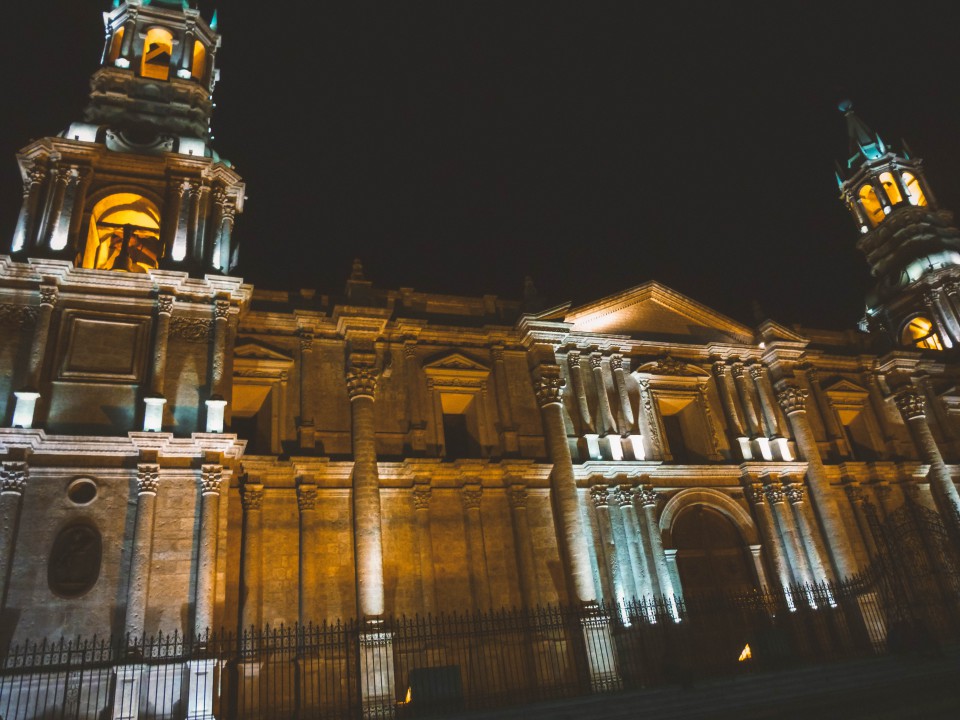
919, 332
157, 53
124, 234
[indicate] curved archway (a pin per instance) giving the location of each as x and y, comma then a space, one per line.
157, 53
123, 234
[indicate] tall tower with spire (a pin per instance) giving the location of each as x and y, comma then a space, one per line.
911, 244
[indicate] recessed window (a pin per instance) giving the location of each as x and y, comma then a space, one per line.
199, 60
75, 560
82, 491
920, 332
124, 234
871, 204
914, 192
115, 44
890, 188
157, 51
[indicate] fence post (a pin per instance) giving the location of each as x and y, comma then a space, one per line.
200, 686
601, 659
377, 695
126, 696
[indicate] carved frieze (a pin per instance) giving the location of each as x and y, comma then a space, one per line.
194, 330
21, 316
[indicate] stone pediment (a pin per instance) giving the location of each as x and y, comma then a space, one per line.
456, 362
653, 311
455, 370
255, 351
671, 367
845, 387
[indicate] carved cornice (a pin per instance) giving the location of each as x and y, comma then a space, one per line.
910, 403
792, 398
148, 479
13, 477
211, 477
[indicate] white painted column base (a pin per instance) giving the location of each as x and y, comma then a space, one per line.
377, 694
126, 695
215, 413
593, 446
781, 448
615, 446
153, 414
600, 653
636, 446
25, 407
761, 447
745, 451
200, 687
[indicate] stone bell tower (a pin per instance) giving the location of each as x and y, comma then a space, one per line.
911, 245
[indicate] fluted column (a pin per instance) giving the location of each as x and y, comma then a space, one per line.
222, 246
793, 401
799, 566
411, 364
367, 532
605, 422
931, 300
795, 494
728, 401
251, 568
509, 442
911, 404
648, 498
650, 417
26, 224
179, 219
518, 498
609, 562
154, 401
770, 533
470, 496
61, 181
217, 402
564, 486
576, 383
26, 397
620, 381
211, 477
640, 574
858, 501
422, 494
13, 481
148, 483
746, 400
308, 546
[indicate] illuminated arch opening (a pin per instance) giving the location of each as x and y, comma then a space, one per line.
919, 332
711, 555
124, 234
871, 204
199, 60
914, 192
157, 51
115, 45
891, 188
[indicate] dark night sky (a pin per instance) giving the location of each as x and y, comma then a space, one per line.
458, 146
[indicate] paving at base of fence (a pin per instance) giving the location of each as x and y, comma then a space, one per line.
457, 663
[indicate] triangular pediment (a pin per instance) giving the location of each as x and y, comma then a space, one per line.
456, 361
845, 387
255, 351
654, 311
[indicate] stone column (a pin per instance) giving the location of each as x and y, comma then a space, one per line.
509, 440
217, 402
470, 495
620, 381
605, 422
222, 243
869, 378
647, 498
830, 425
523, 542
931, 300
858, 501
61, 181
154, 401
417, 434
773, 491
179, 219
251, 568
367, 533
13, 481
727, 399
913, 408
793, 400
26, 223
306, 429
211, 477
309, 542
623, 496
563, 484
148, 483
609, 562
746, 400
26, 398
770, 533
576, 382
422, 493
650, 415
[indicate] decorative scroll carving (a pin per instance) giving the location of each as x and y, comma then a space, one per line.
211, 476
251, 496
600, 496
910, 403
306, 497
195, 330
18, 315
148, 479
13, 477
669, 366
792, 399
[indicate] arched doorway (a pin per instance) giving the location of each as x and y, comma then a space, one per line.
711, 555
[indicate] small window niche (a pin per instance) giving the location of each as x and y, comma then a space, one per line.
461, 429
851, 403
685, 433
919, 332
457, 386
124, 234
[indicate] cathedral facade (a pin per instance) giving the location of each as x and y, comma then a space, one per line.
182, 451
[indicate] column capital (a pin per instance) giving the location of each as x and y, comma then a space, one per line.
794, 492
148, 479
13, 477
773, 492
49, 295
910, 403
856, 494
361, 382
221, 309
756, 371
737, 370
754, 492
410, 349
211, 477
600, 495
497, 352
549, 387
165, 304
623, 496
422, 493
517, 496
646, 496
470, 496
306, 340
573, 356
596, 360
616, 362
720, 368
792, 398
306, 497
251, 496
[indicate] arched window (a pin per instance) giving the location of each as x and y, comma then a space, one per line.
124, 234
115, 44
914, 192
890, 187
871, 204
157, 51
199, 60
711, 555
919, 332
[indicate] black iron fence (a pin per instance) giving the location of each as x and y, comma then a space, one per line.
411, 667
